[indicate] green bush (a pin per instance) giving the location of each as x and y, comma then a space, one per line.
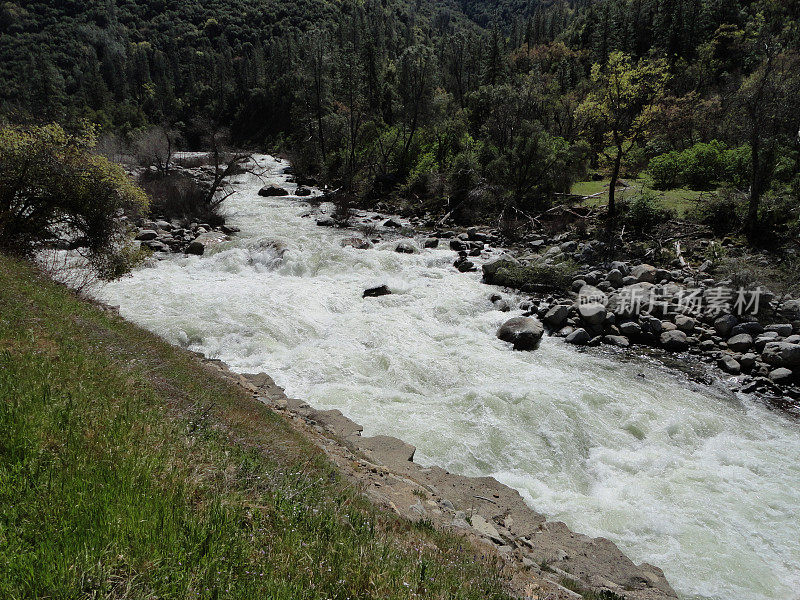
643, 212
701, 165
665, 170
736, 166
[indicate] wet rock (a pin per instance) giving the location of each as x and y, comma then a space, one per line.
749, 327
326, 221
381, 290
272, 190
405, 248
593, 314
674, 340
357, 243
740, 343
685, 323
524, 333
780, 375
579, 337
556, 316
782, 329
748, 361
730, 365
393, 223
302, 191
781, 354
196, 248
790, 310
617, 340
631, 329
465, 266
431, 243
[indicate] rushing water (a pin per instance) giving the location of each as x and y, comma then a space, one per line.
703, 485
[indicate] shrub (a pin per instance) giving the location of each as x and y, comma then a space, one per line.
723, 212
54, 189
701, 165
665, 170
736, 166
181, 198
643, 212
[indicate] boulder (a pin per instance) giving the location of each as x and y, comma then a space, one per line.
790, 310
381, 290
724, 324
357, 243
405, 248
749, 327
196, 248
617, 340
615, 277
780, 375
593, 314
782, 329
465, 266
644, 273
431, 243
729, 364
631, 329
685, 323
326, 221
740, 343
145, 235
302, 191
781, 354
524, 333
272, 190
748, 360
556, 316
674, 340
392, 223
579, 337
490, 268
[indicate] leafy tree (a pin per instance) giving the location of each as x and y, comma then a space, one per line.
621, 105
53, 189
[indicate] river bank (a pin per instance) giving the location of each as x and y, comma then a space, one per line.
615, 449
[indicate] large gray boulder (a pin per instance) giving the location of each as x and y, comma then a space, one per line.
740, 343
490, 268
593, 314
556, 316
724, 324
675, 340
781, 354
644, 273
524, 332
790, 310
579, 337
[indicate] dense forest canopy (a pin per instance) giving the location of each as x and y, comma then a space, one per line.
470, 106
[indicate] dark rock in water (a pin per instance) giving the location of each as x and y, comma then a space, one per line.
405, 248
272, 190
229, 229
556, 316
781, 375
196, 248
465, 266
302, 191
392, 223
524, 332
579, 337
326, 222
617, 340
674, 340
431, 243
357, 243
381, 290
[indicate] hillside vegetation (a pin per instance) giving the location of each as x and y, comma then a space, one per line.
129, 471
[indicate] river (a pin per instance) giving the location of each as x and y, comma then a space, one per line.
703, 484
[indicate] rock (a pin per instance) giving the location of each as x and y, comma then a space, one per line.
579, 337
302, 191
593, 314
229, 229
486, 529
392, 223
674, 340
164, 225
765, 338
405, 248
615, 277
644, 273
617, 340
381, 290
685, 323
524, 333
431, 243
357, 243
145, 235
196, 248
781, 375
729, 364
740, 343
621, 267
630, 329
781, 354
750, 327
556, 316
465, 266
272, 190
748, 361
724, 324
782, 329
156, 246
490, 268
457, 245
790, 310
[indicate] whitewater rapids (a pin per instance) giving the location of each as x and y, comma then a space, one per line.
704, 485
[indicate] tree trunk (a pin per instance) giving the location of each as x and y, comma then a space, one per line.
612, 186
751, 226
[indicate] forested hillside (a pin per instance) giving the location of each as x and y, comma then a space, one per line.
471, 107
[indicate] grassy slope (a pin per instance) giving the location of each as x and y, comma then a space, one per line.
680, 200
126, 470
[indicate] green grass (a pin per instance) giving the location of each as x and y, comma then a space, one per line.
679, 200
127, 470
